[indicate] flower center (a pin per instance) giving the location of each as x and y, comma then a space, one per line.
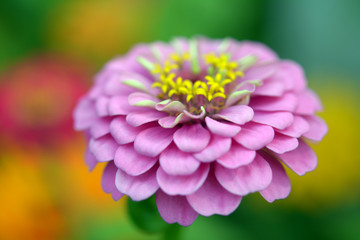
204, 82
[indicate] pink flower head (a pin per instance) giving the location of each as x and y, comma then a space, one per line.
200, 123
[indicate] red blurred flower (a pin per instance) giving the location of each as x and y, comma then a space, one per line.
37, 96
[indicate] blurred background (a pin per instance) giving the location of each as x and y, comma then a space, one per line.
49, 51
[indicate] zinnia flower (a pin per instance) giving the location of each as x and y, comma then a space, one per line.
200, 123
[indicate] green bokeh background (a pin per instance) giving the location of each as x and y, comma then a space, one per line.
322, 35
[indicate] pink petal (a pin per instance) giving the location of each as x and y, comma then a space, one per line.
119, 105
172, 121
279, 120
301, 160
261, 71
122, 132
136, 119
280, 186
237, 156
261, 51
298, 128
152, 141
239, 114
192, 138
176, 162
255, 136
136, 97
114, 87
217, 147
292, 75
281, 143
108, 177
84, 114
175, 209
287, 102
309, 103
134, 164
103, 148
100, 128
271, 88
102, 106
182, 184
318, 128
211, 198
137, 187
246, 179
221, 128
108, 181
90, 160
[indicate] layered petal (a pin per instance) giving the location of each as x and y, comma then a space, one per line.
239, 114
237, 156
318, 128
176, 162
192, 138
137, 187
301, 160
128, 160
182, 184
221, 128
253, 177
279, 187
217, 147
279, 120
103, 148
255, 136
152, 141
282, 143
175, 209
211, 198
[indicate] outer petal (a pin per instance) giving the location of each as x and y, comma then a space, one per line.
270, 87
237, 156
108, 180
318, 128
175, 209
280, 186
137, 119
282, 143
122, 132
118, 105
100, 128
102, 106
301, 160
152, 141
192, 138
287, 102
84, 114
279, 120
212, 198
128, 160
309, 103
217, 147
239, 114
137, 187
182, 185
261, 71
246, 179
90, 160
103, 148
221, 128
298, 128
176, 162
255, 136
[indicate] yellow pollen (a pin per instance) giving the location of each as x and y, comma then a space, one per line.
214, 85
